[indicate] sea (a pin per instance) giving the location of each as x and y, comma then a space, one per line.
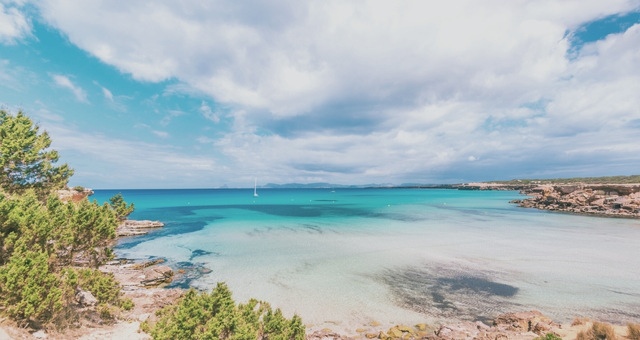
340, 258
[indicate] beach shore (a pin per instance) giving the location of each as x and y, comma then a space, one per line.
148, 299
136, 280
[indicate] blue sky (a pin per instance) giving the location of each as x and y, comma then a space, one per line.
166, 94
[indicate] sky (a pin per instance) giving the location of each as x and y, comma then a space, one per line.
207, 94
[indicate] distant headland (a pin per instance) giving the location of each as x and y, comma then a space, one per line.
615, 196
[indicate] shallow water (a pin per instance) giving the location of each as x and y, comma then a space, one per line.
347, 257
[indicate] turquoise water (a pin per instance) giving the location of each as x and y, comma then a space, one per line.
346, 257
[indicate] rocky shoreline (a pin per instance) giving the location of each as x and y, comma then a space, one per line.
590, 199
605, 200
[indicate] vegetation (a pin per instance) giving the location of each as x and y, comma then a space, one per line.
216, 316
549, 336
120, 207
48, 247
24, 161
633, 331
598, 331
634, 179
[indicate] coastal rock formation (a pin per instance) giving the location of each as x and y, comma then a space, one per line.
136, 227
75, 194
593, 199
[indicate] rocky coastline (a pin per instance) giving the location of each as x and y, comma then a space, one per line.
605, 200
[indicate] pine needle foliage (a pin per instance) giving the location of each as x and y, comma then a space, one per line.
43, 240
215, 315
25, 161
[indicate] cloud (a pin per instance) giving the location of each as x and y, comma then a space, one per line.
14, 25
65, 82
208, 113
118, 161
384, 90
107, 94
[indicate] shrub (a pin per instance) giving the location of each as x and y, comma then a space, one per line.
126, 304
216, 316
103, 286
598, 331
633, 331
30, 291
549, 336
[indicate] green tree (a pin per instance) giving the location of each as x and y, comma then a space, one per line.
43, 239
25, 161
120, 207
30, 290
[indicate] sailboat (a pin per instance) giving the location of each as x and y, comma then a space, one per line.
255, 187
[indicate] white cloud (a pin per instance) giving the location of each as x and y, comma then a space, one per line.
120, 161
208, 113
107, 94
13, 23
379, 88
65, 82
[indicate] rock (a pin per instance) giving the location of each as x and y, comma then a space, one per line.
149, 263
86, 299
421, 327
157, 275
137, 227
531, 321
74, 195
395, 332
602, 200
40, 334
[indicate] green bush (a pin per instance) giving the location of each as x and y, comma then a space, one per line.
103, 286
216, 316
548, 336
30, 291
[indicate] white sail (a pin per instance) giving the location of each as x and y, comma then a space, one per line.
255, 187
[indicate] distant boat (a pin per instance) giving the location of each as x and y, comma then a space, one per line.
255, 187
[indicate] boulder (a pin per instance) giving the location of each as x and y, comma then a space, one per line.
157, 275
86, 299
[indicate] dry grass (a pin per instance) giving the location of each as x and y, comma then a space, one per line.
579, 321
598, 331
633, 331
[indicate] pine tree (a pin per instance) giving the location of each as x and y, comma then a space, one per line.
25, 162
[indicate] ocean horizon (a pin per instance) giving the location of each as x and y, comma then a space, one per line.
342, 257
